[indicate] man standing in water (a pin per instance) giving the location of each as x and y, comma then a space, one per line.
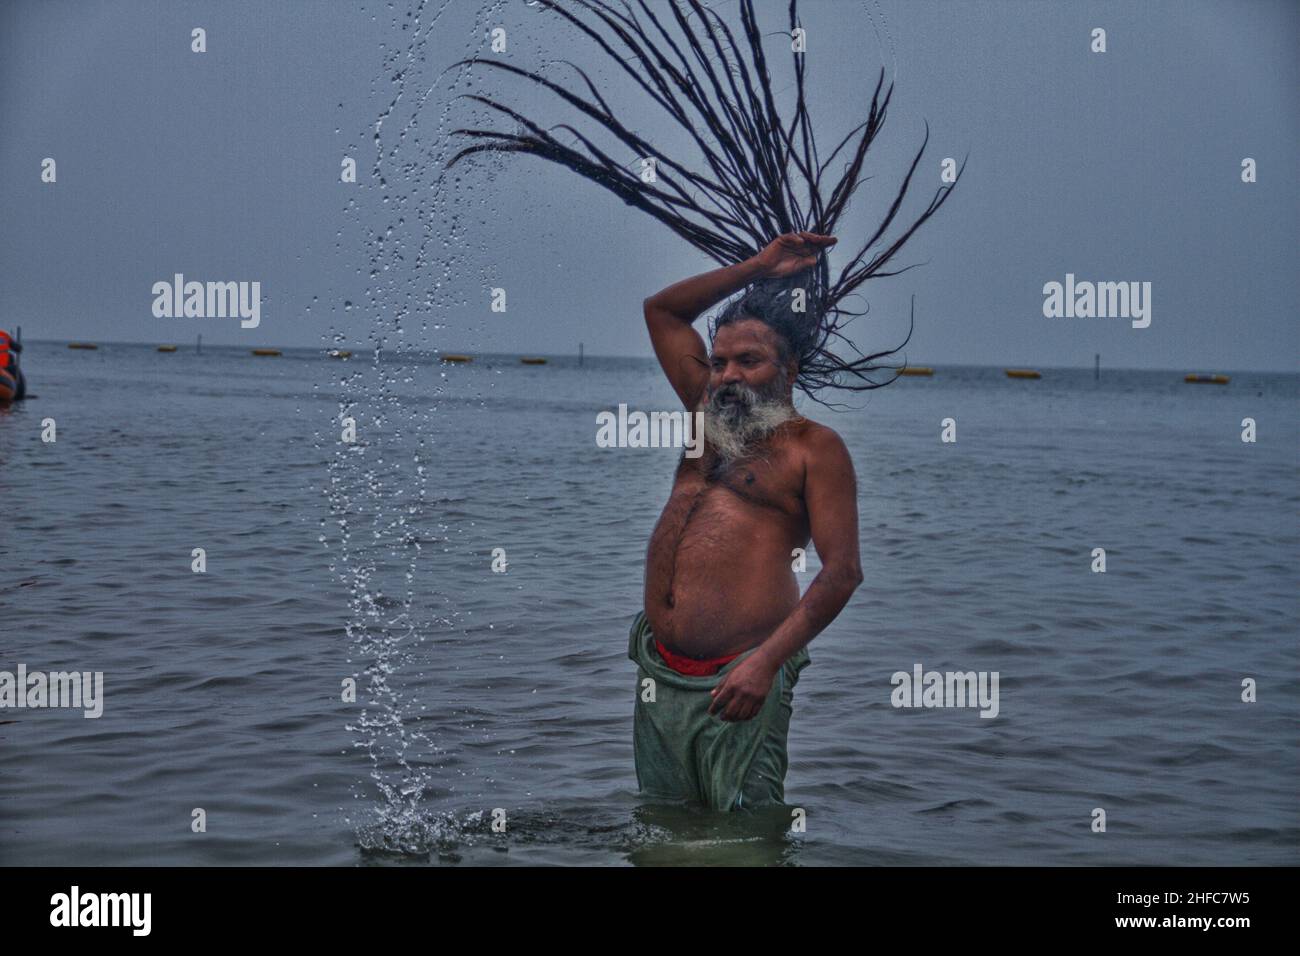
723, 634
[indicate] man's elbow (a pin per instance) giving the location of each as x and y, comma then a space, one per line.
650, 309
848, 576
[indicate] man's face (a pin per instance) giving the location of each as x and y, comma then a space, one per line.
745, 354
749, 390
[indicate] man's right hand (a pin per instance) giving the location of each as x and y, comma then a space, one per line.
793, 252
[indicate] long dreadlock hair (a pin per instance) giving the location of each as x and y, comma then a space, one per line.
761, 177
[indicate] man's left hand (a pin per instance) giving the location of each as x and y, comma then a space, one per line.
740, 695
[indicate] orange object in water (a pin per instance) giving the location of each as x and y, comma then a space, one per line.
12, 387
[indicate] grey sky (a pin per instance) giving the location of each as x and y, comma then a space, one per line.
1123, 166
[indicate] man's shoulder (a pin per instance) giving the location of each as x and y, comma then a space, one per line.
814, 447
815, 437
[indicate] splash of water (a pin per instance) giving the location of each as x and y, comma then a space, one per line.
408, 221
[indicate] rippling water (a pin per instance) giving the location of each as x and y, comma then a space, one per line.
482, 691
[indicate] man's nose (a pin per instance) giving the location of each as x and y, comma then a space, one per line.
731, 374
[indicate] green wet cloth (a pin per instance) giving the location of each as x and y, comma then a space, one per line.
684, 752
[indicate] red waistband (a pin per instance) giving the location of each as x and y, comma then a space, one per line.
692, 667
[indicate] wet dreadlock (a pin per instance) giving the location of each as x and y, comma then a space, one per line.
763, 178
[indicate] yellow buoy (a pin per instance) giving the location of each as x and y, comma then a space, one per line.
1023, 373
82, 345
340, 353
457, 358
166, 348
266, 351
1210, 379
533, 361
917, 370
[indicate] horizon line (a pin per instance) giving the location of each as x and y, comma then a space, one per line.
592, 355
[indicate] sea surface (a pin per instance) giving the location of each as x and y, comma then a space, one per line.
492, 718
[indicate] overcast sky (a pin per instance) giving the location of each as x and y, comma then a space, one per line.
224, 165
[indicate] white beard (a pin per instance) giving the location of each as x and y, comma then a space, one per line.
732, 431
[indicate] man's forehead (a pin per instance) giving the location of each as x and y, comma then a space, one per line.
742, 334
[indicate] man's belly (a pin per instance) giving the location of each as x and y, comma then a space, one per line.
719, 577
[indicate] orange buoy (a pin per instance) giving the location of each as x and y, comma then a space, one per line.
166, 348
1023, 373
266, 351
1209, 379
457, 358
917, 370
533, 361
82, 345
8, 387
